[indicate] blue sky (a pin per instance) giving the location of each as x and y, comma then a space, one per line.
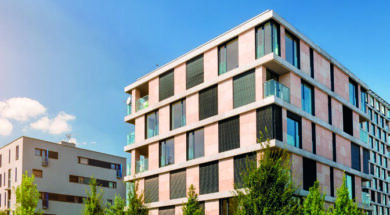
68, 61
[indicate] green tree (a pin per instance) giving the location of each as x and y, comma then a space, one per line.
192, 207
135, 201
268, 186
343, 204
27, 196
117, 208
93, 203
314, 203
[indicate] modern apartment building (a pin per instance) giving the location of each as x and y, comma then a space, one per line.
196, 119
62, 172
375, 132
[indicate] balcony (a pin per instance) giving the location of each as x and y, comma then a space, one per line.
363, 135
274, 88
141, 165
130, 138
128, 169
142, 103
366, 198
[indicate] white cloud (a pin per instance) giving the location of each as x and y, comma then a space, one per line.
74, 140
57, 125
21, 108
5, 127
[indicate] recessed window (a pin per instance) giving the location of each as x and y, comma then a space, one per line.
151, 189
37, 173
351, 185
309, 173
152, 124
292, 49
355, 156
178, 114
240, 167
194, 71
229, 134
267, 39
307, 98
330, 110
83, 160
269, 123
294, 131
228, 56
366, 158
166, 85
17, 153
353, 93
195, 144
177, 184
167, 152
208, 102
311, 63
347, 120
208, 178
332, 77
363, 95
227, 206
244, 89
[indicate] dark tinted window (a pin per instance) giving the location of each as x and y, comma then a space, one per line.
208, 178
166, 85
178, 184
208, 102
244, 89
194, 72
309, 173
229, 134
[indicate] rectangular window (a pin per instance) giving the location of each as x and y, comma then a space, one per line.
229, 134
331, 182
240, 167
294, 130
178, 184
178, 114
166, 85
269, 123
169, 210
309, 173
334, 147
151, 189
347, 120
311, 63
292, 49
208, 178
53, 155
17, 153
244, 89
267, 39
195, 144
9, 156
363, 95
167, 152
313, 137
152, 124
208, 102
227, 206
332, 77
351, 185
16, 174
194, 72
1, 160
330, 110
307, 93
355, 156
228, 56
366, 158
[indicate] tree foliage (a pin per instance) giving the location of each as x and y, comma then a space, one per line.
192, 207
118, 208
27, 196
93, 203
136, 204
314, 203
343, 204
268, 186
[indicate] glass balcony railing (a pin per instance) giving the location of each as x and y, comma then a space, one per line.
274, 88
128, 109
128, 169
141, 165
366, 198
130, 138
363, 135
142, 103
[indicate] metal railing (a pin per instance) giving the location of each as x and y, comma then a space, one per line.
274, 88
363, 135
142, 103
141, 165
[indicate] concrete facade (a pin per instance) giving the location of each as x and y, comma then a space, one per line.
330, 148
54, 174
